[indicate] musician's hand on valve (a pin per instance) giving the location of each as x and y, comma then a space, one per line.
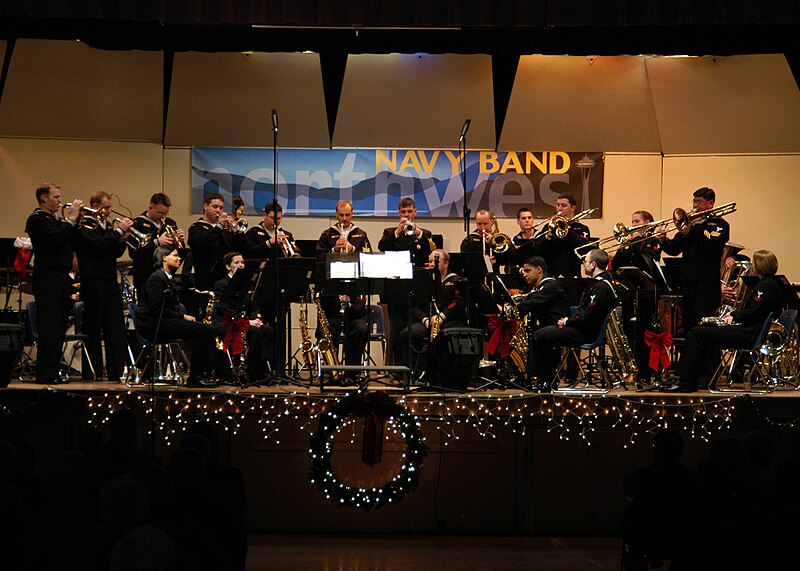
728, 293
165, 240
401, 227
562, 322
728, 319
74, 211
341, 244
125, 225
256, 323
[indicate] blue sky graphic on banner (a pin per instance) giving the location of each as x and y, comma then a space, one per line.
312, 181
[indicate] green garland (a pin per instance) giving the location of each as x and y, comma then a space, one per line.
363, 404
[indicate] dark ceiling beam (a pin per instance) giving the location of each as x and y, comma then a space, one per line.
504, 72
333, 65
6, 65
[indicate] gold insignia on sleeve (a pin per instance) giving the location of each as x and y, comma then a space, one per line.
714, 234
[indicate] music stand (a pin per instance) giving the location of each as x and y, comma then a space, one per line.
789, 293
296, 274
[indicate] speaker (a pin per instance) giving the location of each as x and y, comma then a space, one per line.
453, 357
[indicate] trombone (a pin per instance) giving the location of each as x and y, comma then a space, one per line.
559, 225
498, 241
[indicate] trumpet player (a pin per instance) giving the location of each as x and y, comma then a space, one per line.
152, 222
98, 249
210, 238
52, 240
702, 249
264, 237
346, 317
559, 253
406, 235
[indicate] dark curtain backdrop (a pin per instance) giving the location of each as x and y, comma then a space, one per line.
417, 13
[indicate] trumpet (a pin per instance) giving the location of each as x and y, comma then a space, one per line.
172, 233
89, 217
239, 221
409, 228
285, 243
498, 242
559, 225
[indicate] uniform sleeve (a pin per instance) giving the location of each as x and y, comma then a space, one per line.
602, 302
764, 299
539, 302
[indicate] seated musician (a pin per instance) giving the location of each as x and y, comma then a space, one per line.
260, 337
342, 238
161, 317
545, 303
598, 299
700, 355
449, 309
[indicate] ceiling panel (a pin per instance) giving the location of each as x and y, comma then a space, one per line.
580, 104
225, 99
739, 104
66, 89
415, 101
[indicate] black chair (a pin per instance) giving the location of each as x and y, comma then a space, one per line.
594, 375
743, 371
169, 361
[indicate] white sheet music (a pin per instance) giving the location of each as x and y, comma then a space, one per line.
392, 265
344, 270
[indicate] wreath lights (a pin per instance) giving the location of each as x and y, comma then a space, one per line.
376, 408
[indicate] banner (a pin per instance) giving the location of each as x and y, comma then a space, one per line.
312, 181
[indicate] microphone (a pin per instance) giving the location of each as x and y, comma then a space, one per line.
464, 130
274, 120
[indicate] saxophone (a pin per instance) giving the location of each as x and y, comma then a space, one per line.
306, 346
209, 312
621, 352
519, 341
325, 345
436, 323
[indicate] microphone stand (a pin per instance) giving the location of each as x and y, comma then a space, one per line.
153, 375
279, 301
462, 147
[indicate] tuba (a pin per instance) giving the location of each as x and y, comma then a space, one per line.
325, 345
776, 340
498, 242
732, 278
621, 352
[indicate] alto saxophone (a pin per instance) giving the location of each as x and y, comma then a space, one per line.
436, 323
209, 312
325, 345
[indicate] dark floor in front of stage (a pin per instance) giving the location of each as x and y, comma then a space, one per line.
443, 553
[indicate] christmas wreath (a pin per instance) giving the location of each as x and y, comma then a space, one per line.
376, 408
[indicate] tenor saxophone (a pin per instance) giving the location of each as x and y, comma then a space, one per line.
519, 341
306, 345
325, 345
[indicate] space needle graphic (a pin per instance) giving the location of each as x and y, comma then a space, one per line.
586, 165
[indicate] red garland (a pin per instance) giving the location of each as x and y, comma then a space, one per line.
658, 343
503, 331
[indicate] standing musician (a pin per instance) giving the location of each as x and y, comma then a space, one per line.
478, 240
260, 337
262, 238
342, 238
160, 311
702, 251
210, 238
546, 302
560, 252
98, 249
406, 235
641, 305
598, 299
152, 222
523, 241
700, 356
52, 240
448, 311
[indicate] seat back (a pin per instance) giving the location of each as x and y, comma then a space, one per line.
134, 312
762, 334
33, 329
788, 318
601, 335
377, 324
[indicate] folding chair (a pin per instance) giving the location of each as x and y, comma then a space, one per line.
593, 371
377, 332
755, 378
169, 360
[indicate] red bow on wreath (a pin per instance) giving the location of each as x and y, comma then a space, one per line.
658, 343
372, 449
236, 330
503, 331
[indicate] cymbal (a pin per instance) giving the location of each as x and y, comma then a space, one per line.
124, 263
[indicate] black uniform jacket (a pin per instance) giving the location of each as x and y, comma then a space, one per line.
52, 240
419, 246
546, 303
701, 248
598, 299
